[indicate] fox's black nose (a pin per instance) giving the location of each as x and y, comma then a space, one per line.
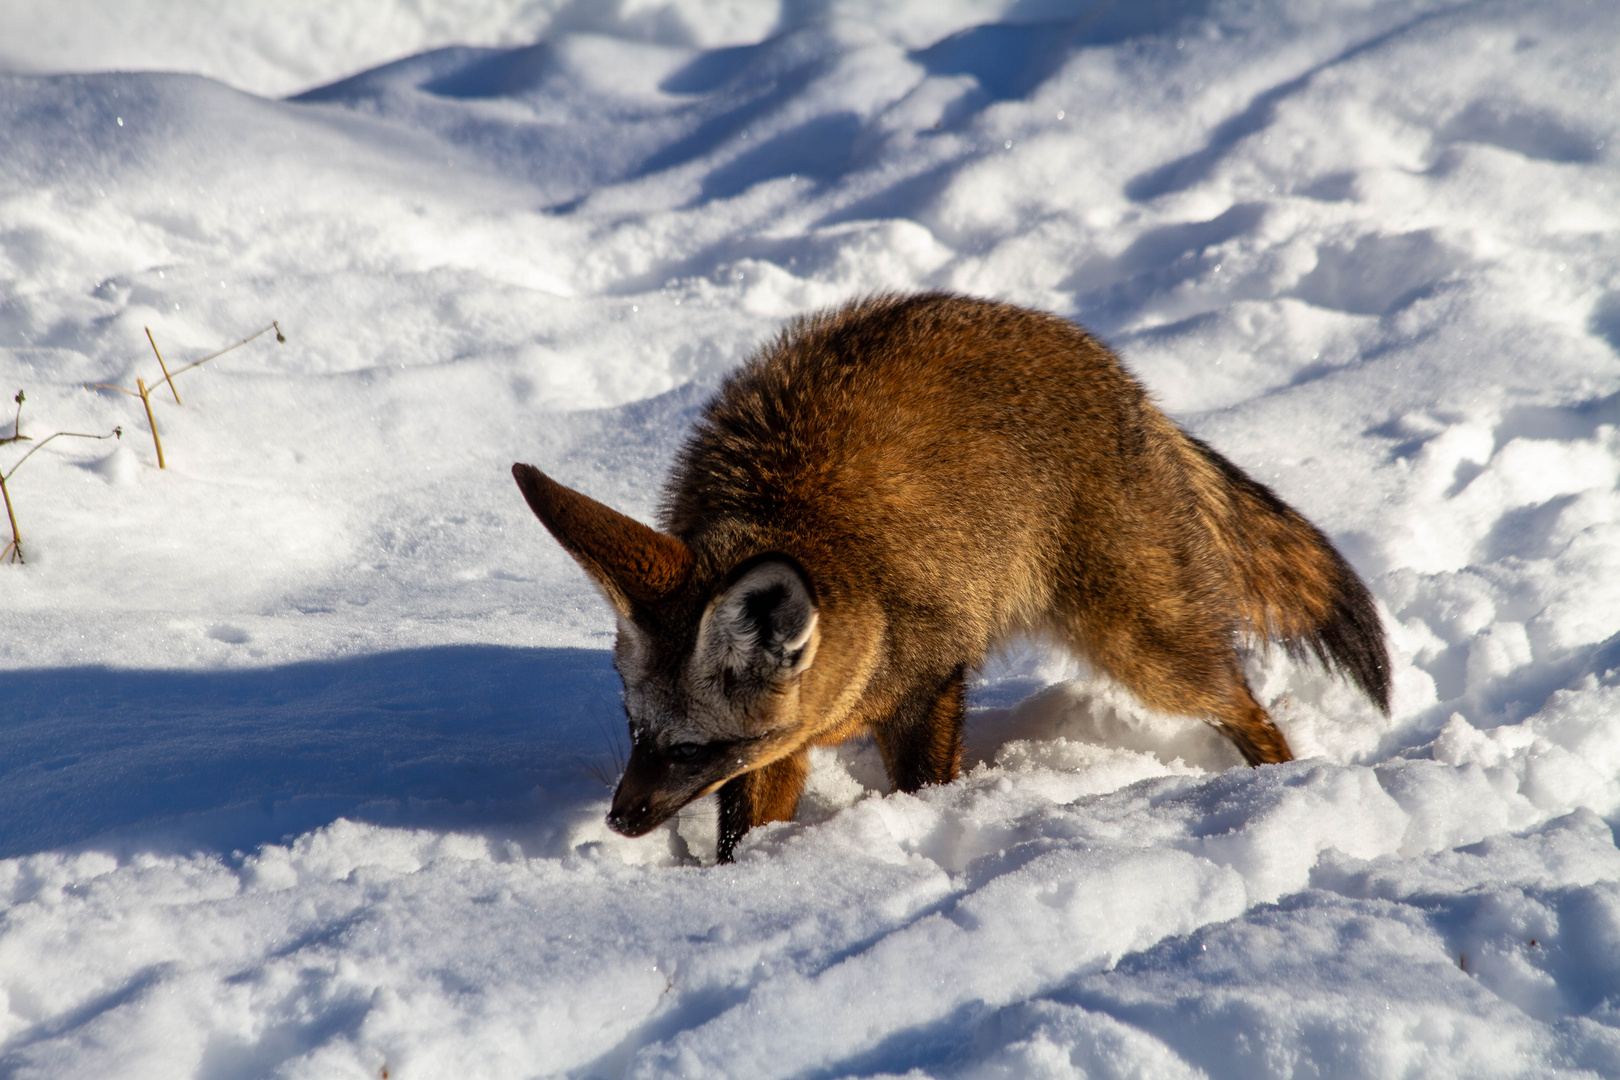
629, 820
636, 819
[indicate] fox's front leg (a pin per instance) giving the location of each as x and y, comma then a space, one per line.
922, 742
766, 794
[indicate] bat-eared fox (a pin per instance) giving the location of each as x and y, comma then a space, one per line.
886, 492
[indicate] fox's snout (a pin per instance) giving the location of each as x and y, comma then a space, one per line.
656, 786
637, 809
647, 795
633, 820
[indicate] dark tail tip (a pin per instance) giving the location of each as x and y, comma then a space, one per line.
1351, 637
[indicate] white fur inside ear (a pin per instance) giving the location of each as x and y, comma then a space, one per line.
801, 650
631, 651
764, 624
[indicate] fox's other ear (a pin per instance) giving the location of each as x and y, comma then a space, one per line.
627, 559
763, 626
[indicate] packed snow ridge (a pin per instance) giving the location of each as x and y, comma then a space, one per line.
305, 737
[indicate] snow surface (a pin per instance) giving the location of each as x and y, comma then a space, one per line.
304, 740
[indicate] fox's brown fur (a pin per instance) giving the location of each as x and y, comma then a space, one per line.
889, 490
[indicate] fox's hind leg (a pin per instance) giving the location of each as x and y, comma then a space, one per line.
766, 794
1252, 732
1192, 670
921, 742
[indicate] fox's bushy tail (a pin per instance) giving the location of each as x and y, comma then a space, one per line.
1292, 584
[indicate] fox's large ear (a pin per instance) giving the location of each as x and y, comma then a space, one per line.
762, 627
627, 559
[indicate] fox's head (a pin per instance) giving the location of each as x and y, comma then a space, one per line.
712, 660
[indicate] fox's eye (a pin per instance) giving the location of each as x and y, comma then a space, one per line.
686, 752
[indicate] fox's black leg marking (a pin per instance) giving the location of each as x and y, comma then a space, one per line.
922, 742
734, 815
754, 798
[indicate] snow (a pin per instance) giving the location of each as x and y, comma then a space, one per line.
305, 738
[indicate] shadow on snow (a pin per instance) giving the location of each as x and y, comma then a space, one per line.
458, 736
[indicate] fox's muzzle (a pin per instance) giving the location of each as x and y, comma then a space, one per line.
649, 794
654, 787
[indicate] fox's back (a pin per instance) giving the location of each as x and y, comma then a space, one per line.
946, 447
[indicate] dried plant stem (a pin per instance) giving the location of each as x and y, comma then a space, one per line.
110, 386
166, 376
16, 428
117, 433
150, 419
14, 549
276, 326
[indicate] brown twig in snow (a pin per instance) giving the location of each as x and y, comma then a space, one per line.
152, 420
16, 426
276, 326
13, 551
166, 376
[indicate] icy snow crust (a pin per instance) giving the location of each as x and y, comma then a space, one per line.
304, 740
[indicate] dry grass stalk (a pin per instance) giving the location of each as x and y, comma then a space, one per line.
280, 339
13, 549
152, 420
166, 376
13, 552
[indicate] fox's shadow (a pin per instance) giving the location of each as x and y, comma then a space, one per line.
472, 737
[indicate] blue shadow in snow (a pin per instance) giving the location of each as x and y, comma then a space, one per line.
1261, 111
1009, 59
1605, 320
710, 70
504, 73
1006, 61
818, 149
467, 736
